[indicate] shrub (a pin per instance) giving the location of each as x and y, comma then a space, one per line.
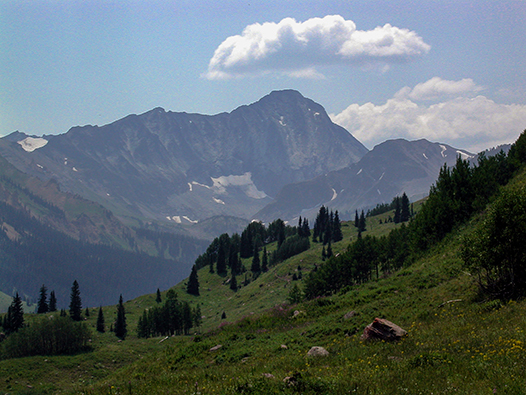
48, 336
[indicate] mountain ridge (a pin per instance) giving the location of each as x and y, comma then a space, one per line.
163, 164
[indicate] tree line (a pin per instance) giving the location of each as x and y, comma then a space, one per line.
173, 317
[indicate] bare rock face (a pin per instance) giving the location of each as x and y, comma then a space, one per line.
317, 351
381, 329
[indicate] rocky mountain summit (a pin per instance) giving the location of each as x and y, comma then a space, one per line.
189, 167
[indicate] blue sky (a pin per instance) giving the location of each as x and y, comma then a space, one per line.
449, 71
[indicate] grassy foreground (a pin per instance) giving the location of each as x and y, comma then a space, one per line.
456, 342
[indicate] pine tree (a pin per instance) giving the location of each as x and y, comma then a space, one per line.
100, 321
306, 229
42, 305
63, 313
337, 234
120, 323
16, 314
356, 220
158, 298
362, 227
223, 316
398, 211
329, 250
405, 213
193, 282
221, 259
300, 227
52, 302
75, 305
264, 260
255, 268
233, 283
86, 312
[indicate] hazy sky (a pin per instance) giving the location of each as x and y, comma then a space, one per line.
449, 71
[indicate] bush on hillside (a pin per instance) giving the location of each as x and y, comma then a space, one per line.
52, 335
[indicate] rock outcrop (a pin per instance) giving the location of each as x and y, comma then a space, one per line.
381, 329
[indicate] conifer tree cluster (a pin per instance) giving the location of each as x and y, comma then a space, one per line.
402, 209
327, 227
359, 222
225, 252
173, 317
303, 227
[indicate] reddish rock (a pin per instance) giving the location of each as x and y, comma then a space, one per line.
381, 329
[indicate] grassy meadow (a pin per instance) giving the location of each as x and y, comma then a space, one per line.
456, 342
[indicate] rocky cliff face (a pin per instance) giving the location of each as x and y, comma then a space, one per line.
188, 167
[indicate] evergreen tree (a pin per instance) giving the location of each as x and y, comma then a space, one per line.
356, 220
120, 323
233, 283
256, 267
362, 227
63, 313
158, 298
223, 316
52, 302
193, 282
264, 260
86, 312
16, 314
100, 321
75, 305
300, 227
306, 229
42, 305
337, 234
329, 250
221, 259
323, 253
405, 213
398, 211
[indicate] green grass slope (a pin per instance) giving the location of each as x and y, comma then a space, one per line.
456, 343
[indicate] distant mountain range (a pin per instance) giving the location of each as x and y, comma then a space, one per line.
161, 182
390, 169
190, 167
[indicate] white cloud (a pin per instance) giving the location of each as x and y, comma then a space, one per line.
296, 48
437, 88
472, 123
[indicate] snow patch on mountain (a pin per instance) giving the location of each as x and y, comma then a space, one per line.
334, 194
219, 201
243, 181
30, 144
465, 155
425, 156
444, 149
179, 220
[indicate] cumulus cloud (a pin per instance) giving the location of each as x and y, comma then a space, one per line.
472, 123
437, 88
296, 48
